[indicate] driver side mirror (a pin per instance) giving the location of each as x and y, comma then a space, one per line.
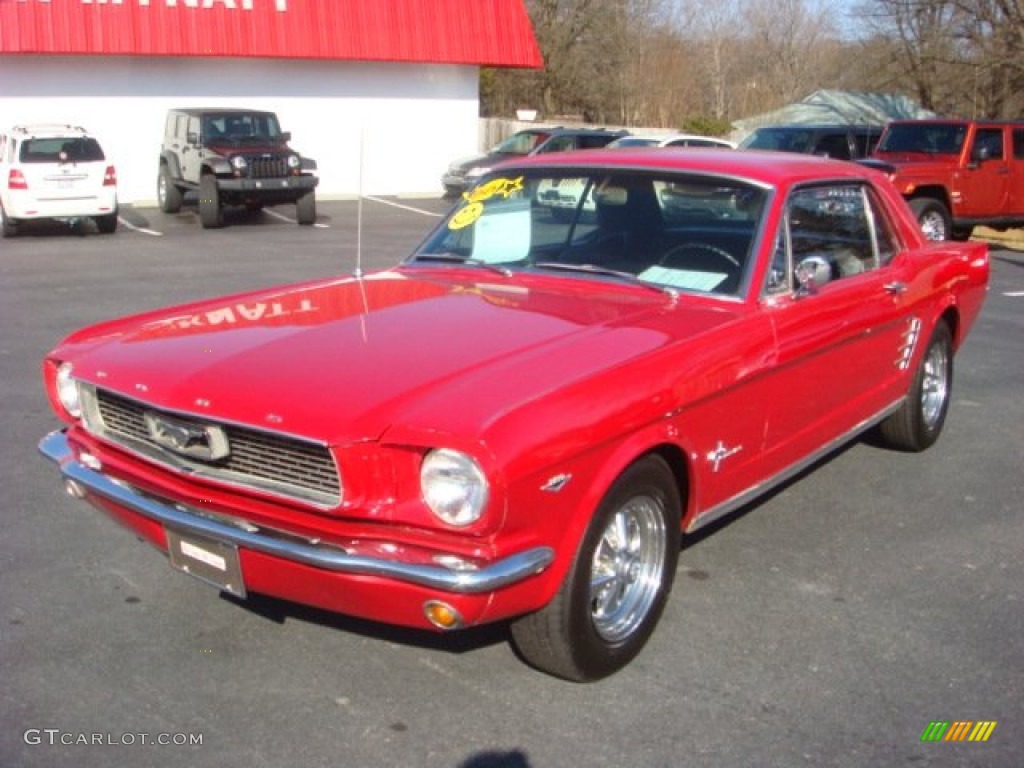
980, 154
811, 273
286, 136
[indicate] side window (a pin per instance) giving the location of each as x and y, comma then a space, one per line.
1018, 143
833, 226
886, 243
193, 126
559, 144
834, 145
864, 142
988, 140
780, 273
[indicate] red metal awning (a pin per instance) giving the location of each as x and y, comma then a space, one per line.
479, 32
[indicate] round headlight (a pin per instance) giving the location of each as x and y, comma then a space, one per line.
453, 486
67, 391
294, 161
238, 162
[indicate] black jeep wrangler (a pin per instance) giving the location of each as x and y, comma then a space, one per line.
232, 157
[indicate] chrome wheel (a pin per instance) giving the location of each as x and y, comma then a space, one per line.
918, 422
626, 571
613, 595
934, 385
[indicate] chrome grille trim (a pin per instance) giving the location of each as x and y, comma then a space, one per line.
270, 462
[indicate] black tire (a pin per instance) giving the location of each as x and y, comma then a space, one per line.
919, 421
106, 224
614, 594
8, 227
933, 218
211, 214
305, 209
168, 195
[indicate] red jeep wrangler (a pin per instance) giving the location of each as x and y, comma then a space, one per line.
956, 173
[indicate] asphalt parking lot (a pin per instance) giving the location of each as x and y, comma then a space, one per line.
827, 625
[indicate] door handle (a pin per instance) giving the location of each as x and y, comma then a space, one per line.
895, 288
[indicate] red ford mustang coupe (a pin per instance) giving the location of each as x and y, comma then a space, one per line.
521, 420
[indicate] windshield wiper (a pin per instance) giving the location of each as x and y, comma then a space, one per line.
456, 258
593, 269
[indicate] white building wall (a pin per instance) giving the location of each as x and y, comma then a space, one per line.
387, 129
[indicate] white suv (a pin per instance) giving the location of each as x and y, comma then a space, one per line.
55, 172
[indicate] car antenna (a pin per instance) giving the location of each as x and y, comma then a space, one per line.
358, 274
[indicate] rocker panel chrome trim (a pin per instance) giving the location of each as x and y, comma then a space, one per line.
747, 496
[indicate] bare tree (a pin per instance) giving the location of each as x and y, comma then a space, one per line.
991, 33
961, 57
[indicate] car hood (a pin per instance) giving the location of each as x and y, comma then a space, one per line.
225, 147
483, 161
892, 161
344, 360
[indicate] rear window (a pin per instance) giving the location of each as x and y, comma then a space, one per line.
61, 150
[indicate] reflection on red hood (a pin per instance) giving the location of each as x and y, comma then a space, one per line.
342, 360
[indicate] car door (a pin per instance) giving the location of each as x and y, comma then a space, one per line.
1015, 206
188, 135
985, 183
843, 335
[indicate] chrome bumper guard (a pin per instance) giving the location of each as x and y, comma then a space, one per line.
501, 573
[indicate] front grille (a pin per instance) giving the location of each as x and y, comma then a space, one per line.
263, 167
264, 461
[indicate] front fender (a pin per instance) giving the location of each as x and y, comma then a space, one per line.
556, 504
171, 161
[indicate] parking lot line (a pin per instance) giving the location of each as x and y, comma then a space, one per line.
282, 217
143, 230
403, 207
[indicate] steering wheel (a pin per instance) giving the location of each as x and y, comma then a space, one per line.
694, 255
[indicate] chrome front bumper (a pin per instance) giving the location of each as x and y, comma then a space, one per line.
500, 573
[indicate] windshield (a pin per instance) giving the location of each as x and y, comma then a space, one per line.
678, 231
782, 139
926, 138
241, 126
522, 143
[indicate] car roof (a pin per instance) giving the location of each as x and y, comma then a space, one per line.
769, 168
561, 130
49, 130
821, 127
200, 111
957, 121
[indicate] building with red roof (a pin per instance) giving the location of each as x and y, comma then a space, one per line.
381, 93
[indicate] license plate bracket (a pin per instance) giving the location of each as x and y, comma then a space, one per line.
209, 560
